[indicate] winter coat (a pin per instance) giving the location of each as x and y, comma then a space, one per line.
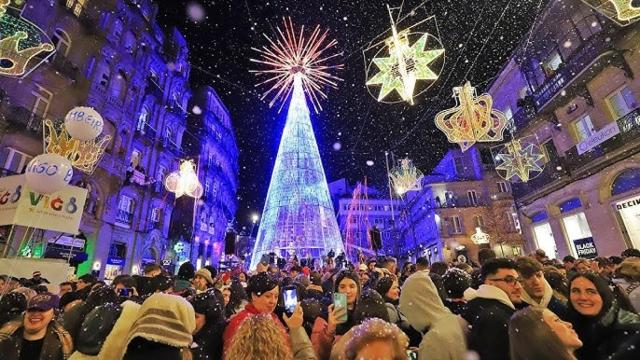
74, 318
237, 320
113, 346
57, 343
488, 315
458, 307
398, 318
632, 289
323, 342
301, 345
548, 301
207, 343
615, 335
423, 307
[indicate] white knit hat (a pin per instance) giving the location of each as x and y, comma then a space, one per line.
166, 319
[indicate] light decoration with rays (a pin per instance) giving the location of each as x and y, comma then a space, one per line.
406, 64
519, 160
291, 54
184, 181
472, 120
405, 177
623, 12
21, 42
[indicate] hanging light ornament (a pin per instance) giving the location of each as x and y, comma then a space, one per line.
184, 181
472, 120
623, 12
406, 65
480, 237
406, 177
520, 160
20, 41
291, 54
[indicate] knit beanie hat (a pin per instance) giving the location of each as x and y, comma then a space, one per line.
166, 319
205, 274
383, 285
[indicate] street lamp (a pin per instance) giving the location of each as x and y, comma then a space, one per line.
254, 219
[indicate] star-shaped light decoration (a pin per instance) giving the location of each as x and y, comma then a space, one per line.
623, 12
472, 120
524, 163
184, 181
405, 177
406, 64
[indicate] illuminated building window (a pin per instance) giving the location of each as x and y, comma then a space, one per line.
583, 127
142, 120
13, 161
621, 102
456, 225
552, 63
472, 196
77, 6
503, 187
156, 214
478, 220
42, 101
126, 207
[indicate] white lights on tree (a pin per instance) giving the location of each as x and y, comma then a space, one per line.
184, 181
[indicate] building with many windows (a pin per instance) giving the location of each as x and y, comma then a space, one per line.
463, 205
575, 87
212, 145
113, 56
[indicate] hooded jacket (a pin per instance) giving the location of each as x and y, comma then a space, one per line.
114, 344
488, 314
548, 301
57, 343
423, 307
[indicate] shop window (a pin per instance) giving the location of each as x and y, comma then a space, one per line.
118, 250
626, 181
543, 236
622, 102
570, 205
576, 228
583, 128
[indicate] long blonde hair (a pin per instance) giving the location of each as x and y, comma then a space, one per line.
259, 338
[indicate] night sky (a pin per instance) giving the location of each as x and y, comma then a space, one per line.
354, 129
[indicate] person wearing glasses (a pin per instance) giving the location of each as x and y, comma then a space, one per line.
488, 313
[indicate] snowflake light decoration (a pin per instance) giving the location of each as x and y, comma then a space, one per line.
406, 64
184, 181
623, 12
472, 120
292, 54
520, 160
20, 41
405, 177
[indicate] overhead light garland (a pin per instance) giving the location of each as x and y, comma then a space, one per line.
472, 120
292, 54
406, 177
520, 160
406, 64
184, 181
20, 41
623, 12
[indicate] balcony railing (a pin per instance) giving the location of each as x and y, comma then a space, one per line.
554, 170
65, 67
124, 217
21, 118
147, 132
588, 52
153, 88
628, 137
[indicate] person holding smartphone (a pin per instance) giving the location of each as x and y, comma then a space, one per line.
340, 319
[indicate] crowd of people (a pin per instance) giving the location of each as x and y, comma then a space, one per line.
525, 308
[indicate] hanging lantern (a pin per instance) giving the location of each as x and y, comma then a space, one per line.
184, 181
406, 177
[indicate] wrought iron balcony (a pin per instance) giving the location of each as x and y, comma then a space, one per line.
588, 52
627, 139
554, 171
21, 118
65, 67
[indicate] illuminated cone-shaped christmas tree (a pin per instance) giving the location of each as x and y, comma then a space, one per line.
298, 215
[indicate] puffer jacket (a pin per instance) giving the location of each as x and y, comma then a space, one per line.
57, 345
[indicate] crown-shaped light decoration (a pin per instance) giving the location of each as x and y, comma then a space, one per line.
480, 237
472, 120
83, 155
184, 181
622, 12
406, 64
520, 159
406, 177
20, 41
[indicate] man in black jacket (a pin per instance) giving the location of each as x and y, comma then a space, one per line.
537, 291
489, 312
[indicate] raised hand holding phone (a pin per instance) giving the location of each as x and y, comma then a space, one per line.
296, 319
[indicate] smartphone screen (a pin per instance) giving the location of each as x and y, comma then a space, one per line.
125, 292
340, 301
290, 300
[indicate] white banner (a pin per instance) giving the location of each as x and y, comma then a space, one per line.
598, 137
